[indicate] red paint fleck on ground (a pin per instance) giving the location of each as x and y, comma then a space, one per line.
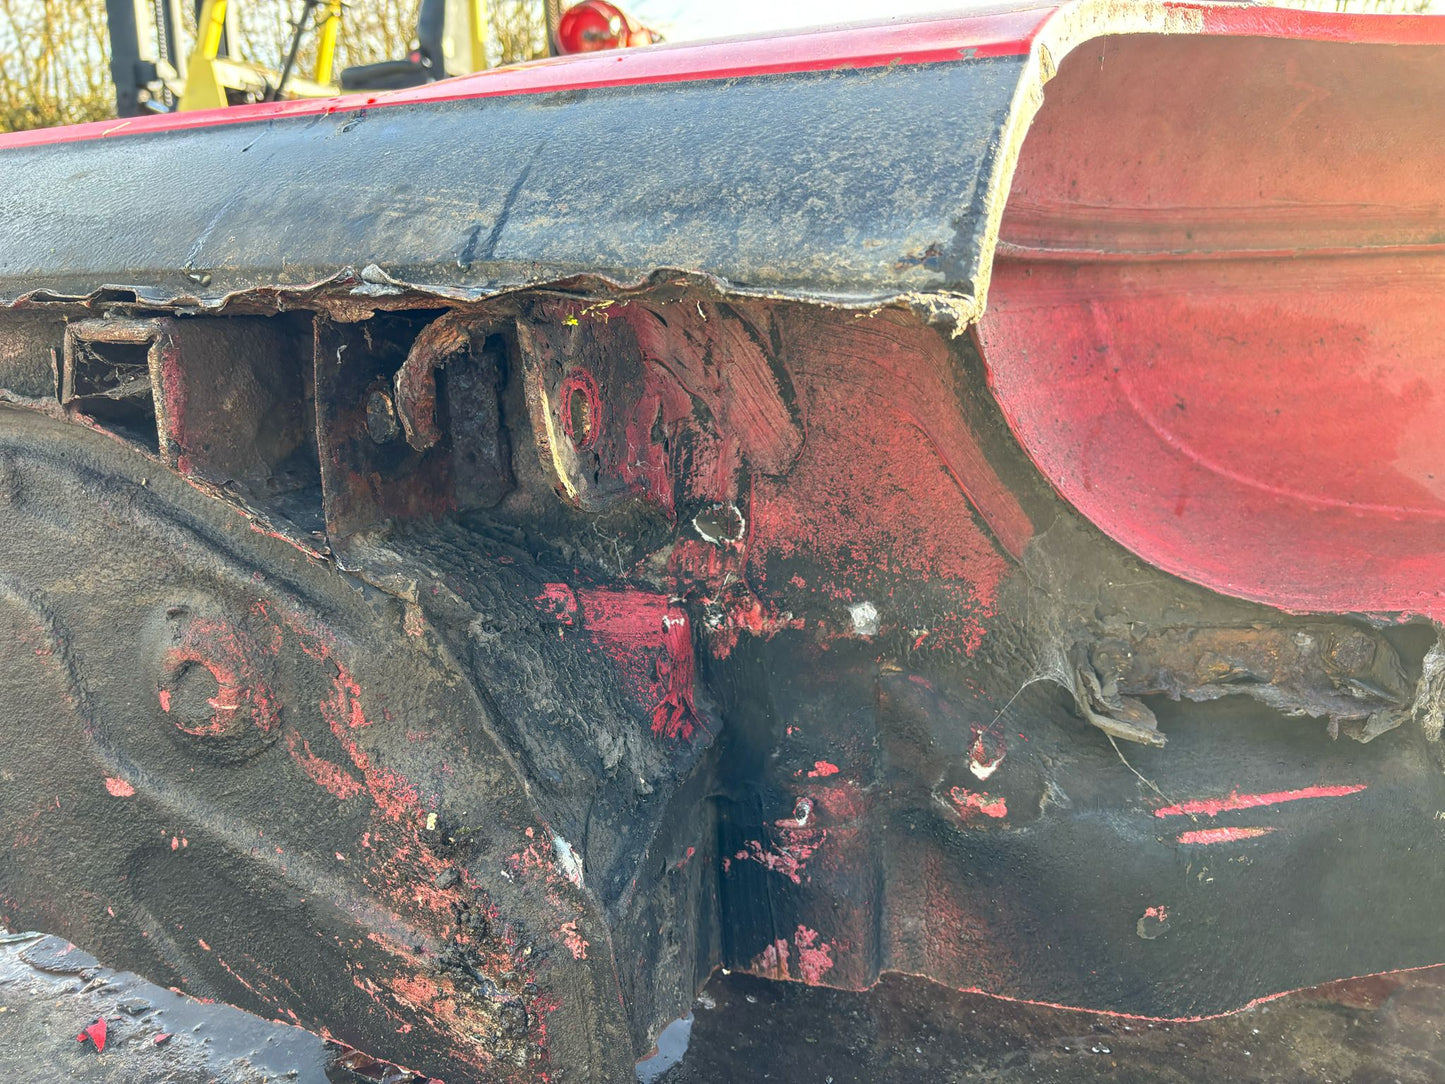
95, 1033
1211, 807
118, 788
970, 802
822, 768
165, 698
1221, 835
1160, 912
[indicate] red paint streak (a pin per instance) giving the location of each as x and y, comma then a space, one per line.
1212, 807
95, 1033
923, 42
165, 698
968, 803
119, 788
650, 641
1221, 835
822, 768
332, 777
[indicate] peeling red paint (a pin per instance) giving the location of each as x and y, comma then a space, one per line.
1211, 807
986, 755
1221, 835
815, 957
788, 857
574, 941
890, 483
772, 962
559, 601
821, 769
231, 658
970, 802
119, 788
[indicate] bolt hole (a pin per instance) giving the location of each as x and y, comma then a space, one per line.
579, 411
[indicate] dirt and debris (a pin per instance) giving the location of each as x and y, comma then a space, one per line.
68, 1018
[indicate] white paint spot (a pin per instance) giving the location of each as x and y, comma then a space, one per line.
568, 860
980, 764
865, 618
982, 770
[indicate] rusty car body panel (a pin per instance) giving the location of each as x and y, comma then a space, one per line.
478, 558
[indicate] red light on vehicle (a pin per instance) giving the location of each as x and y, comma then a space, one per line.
596, 24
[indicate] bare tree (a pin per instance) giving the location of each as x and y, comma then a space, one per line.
53, 63
55, 54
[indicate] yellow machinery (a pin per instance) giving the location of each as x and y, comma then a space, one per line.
151, 76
